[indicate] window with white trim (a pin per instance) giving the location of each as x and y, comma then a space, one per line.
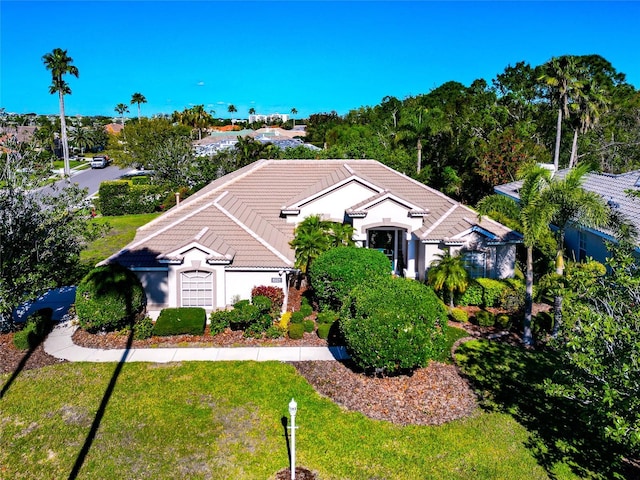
197, 288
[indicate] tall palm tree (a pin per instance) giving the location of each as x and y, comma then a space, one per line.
138, 98
252, 111
293, 112
122, 108
570, 203
562, 77
531, 217
447, 272
232, 109
592, 101
417, 122
60, 64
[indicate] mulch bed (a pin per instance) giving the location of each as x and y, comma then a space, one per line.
430, 396
12, 359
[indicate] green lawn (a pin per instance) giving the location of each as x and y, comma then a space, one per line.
224, 421
121, 231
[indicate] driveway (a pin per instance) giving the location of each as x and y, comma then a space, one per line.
57, 299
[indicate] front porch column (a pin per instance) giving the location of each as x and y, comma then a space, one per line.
410, 271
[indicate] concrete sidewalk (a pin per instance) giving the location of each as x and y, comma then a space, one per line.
60, 344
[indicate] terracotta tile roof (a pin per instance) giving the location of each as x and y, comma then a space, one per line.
242, 211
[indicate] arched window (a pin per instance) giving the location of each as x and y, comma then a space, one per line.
197, 288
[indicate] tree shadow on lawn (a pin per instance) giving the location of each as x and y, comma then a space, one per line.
35, 341
95, 425
510, 379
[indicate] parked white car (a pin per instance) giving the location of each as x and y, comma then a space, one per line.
100, 162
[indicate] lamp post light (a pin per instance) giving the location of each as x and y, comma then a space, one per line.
293, 409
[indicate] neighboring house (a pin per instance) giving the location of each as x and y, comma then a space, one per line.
234, 234
582, 242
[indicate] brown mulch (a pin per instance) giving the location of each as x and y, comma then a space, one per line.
430, 396
12, 359
228, 338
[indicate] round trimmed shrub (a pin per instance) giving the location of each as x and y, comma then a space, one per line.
503, 321
323, 330
485, 318
297, 317
459, 315
309, 325
296, 331
337, 271
306, 310
393, 324
108, 298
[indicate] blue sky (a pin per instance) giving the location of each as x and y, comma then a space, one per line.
315, 56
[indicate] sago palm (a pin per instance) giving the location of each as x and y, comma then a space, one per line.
447, 272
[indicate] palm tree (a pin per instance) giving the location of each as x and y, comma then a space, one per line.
60, 64
232, 109
138, 98
417, 122
562, 77
591, 102
122, 108
531, 217
83, 139
447, 272
310, 240
293, 112
252, 111
570, 203
341, 234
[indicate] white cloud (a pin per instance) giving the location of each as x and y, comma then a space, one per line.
200, 84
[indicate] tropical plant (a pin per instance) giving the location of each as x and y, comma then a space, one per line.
122, 108
561, 75
60, 64
309, 241
138, 98
569, 204
447, 272
532, 218
82, 138
293, 112
232, 109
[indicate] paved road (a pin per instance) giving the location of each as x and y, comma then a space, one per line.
89, 179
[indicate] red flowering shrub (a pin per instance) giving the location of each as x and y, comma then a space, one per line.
275, 294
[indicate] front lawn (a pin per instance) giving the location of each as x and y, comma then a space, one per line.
122, 230
225, 420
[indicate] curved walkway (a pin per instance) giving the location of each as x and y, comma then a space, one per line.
60, 344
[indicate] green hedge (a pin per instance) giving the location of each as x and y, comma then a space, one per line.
487, 292
108, 298
393, 324
121, 197
337, 271
180, 321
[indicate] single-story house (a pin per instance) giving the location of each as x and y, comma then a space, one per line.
215, 246
580, 241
